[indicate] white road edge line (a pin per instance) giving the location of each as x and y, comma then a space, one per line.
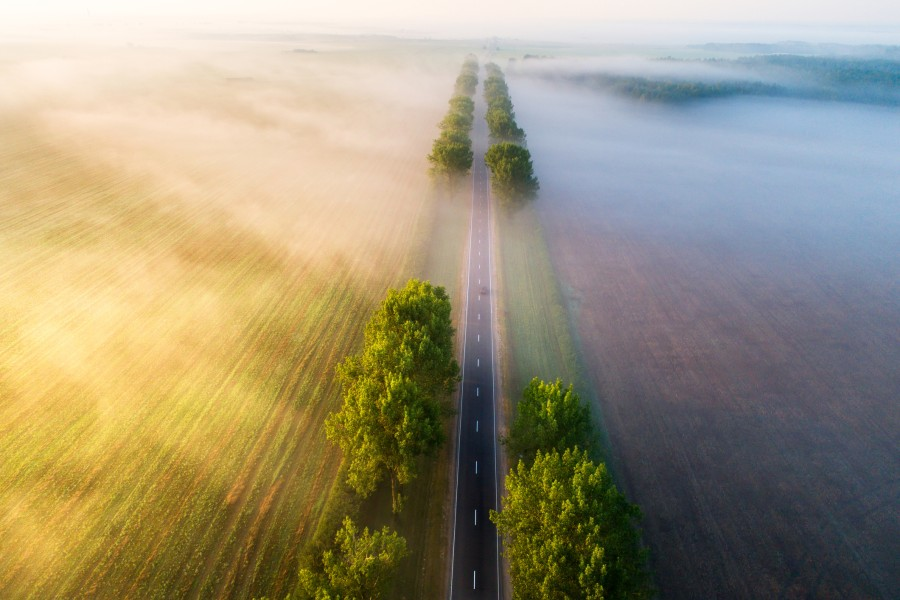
491, 302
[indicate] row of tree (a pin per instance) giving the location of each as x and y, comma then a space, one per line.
512, 173
500, 117
451, 152
394, 404
467, 80
568, 532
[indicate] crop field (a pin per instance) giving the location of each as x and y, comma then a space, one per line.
733, 273
192, 235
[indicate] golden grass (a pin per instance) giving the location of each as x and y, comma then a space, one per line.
185, 254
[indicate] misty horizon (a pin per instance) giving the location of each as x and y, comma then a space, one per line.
555, 31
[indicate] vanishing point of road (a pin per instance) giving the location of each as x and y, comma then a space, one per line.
475, 549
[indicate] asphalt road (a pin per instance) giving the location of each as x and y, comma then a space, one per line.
475, 570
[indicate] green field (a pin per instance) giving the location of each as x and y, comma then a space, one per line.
189, 242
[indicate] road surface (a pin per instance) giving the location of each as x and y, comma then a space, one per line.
475, 565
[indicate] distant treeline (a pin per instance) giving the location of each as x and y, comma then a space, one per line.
650, 90
868, 81
451, 153
804, 49
845, 79
512, 173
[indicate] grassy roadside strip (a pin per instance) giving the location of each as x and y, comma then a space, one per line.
427, 509
426, 517
423, 574
537, 333
441, 242
427, 513
536, 336
534, 329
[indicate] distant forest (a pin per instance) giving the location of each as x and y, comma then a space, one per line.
844, 79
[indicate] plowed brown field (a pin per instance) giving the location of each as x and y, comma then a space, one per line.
735, 290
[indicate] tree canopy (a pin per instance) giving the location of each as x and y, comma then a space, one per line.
457, 121
467, 80
500, 117
359, 566
393, 391
512, 174
569, 533
502, 124
548, 417
451, 152
450, 155
462, 105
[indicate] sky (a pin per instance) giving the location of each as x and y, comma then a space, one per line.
757, 11
576, 21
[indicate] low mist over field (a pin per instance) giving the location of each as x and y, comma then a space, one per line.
731, 264
193, 232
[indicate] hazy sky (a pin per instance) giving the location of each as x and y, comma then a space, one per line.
756, 11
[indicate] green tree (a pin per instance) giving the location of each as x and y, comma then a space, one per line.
503, 103
569, 533
548, 417
457, 121
358, 567
462, 104
451, 152
493, 70
512, 174
466, 83
456, 136
394, 390
450, 155
496, 94
412, 334
502, 125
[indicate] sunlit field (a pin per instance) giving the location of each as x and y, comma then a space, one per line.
192, 234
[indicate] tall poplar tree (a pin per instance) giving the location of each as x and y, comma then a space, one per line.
569, 533
394, 390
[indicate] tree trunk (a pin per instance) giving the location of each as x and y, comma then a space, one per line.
396, 496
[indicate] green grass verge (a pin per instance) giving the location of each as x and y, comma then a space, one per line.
538, 337
427, 509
